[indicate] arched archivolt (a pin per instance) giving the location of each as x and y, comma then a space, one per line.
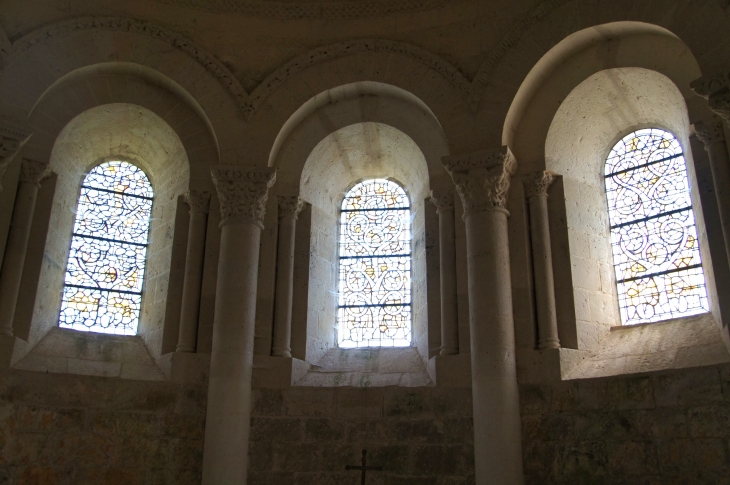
577, 58
110, 83
36, 62
702, 26
360, 102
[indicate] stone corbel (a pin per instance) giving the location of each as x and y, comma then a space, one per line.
12, 139
242, 192
716, 90
482, 179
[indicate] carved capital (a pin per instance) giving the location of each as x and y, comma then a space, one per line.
12, 138
199, 201
242, 192
482, 179
443, 199
32, 172
538, 183
716, 90
720, 104
290, 206
710, 131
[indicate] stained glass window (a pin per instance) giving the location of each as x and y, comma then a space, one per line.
375, 266
656, 253
103, 285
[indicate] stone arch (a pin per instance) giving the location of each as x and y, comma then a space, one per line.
37, 61
698, 25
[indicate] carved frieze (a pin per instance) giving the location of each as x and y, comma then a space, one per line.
710, 131
443, 199
482, 179
199, 201
32, 171
242, 192
290, 206
538, 183
314, 10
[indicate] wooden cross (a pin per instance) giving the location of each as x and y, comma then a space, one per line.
364, 467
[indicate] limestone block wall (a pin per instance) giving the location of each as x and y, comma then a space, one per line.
70, 429
669, 427
306, 436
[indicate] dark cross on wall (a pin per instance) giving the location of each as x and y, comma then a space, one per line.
364, 467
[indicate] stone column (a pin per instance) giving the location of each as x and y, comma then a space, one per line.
31, 174
289, 209
482, 181
188, 336
536, 187
712, 135
242, 194
444, 202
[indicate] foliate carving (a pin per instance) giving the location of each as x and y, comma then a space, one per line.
710, 131
720, 104
482, 179
708, 85
32, 172
199, 201
242, 192
443, 199
290, 206
538, 183
121, 24
296, 11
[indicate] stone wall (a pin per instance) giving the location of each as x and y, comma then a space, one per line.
420, 436
65, 429
670, 427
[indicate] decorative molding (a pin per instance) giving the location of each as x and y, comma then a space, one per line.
242, 192
32, 172
290, 206
199, 201
341, 49
720, 104
482, 179
708, 85
120, 24
443, 199
297, 11
537, 184
508, 41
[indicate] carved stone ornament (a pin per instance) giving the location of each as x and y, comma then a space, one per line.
710, 131
720, 104
290, 206
443, 199
199, 201
11, 140
716, 89
32, 172
482, 179
538, 183
242, 192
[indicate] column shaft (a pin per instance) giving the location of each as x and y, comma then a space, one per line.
712, 135
188, 335
444, 201
12, 270
542, 259
242, 193
289, 208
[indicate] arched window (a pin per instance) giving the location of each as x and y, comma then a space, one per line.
656, 251
375, 266
103, 286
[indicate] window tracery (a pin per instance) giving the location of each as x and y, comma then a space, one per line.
375, 266
655, 247
104, 276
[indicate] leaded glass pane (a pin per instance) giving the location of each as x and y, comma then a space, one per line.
375, 266
104, 276
656, 252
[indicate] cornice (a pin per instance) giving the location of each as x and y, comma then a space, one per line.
310, 10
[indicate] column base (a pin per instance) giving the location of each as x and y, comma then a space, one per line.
548, 343
185, 367
277, 372
451, 370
